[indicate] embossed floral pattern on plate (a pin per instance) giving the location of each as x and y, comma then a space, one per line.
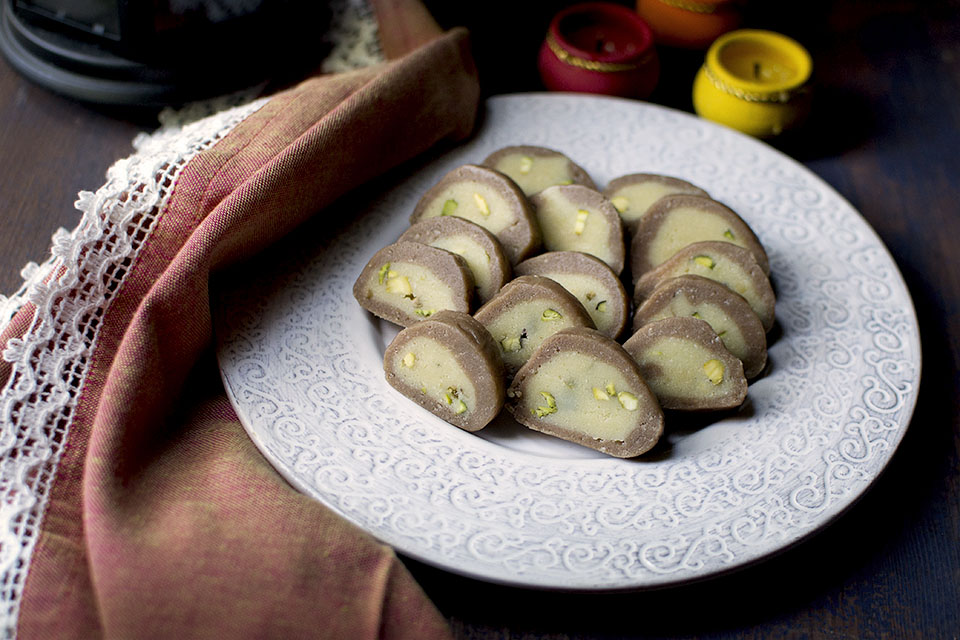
302, 365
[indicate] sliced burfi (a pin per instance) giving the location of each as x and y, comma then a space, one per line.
488, 198
577, 218
673, 222
727, 313
450, 366
528, 310
536, 168
478, 247
406, 282
686, 365
590, 280
584, 387
633, 194
723, 262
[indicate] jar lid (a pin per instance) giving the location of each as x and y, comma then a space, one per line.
758, 66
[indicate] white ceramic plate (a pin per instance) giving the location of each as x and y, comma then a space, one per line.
302, 365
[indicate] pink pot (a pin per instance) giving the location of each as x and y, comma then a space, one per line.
599, 47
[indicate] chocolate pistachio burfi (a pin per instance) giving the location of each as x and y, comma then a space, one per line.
590, 280
478, 247
633, 194
578, 218
488, 198
686, 365
406, 282
584, 387
728, 264
450, 366
727, 313
536, 168
527, 310
673, 222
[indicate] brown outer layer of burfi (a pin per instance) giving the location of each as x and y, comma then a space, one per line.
577, 174
595, 345
703, 291
587, 198
449, 267
575, 262
527, 288
678, 265
476, 352
660, 212
430, 230
519, 240
676, 184
697, 331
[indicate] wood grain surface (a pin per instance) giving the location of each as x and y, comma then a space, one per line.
885, 133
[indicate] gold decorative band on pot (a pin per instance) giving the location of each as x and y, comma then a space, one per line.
782, 96
693, 7
593, 65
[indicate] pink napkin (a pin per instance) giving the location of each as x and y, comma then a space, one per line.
162, 519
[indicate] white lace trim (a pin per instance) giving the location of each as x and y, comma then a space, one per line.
74, 287
71, 292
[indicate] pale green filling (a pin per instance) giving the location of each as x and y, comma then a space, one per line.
729, 274
570, 378
435, 372
502, 214
718, 320
559, 220
684, 226
638, 197
532, 173
428, 293
475, 256
591, 294
520, 330
682, 373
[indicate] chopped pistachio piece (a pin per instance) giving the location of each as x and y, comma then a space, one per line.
409, 360
526, 164
611, 390
714, 370
620, 203
448, 208
590, 295
424, 313
728, 234
599, 394
400, 285
481, 204
581, 222
511, 344
551, 406
551, 401
448, 398
461, 407
705, 261
601, 306
550, 314
628, 401
383, 273
695, 314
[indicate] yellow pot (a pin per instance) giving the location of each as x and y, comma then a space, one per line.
754, 81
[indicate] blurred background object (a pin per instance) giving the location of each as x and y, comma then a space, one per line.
123, 52
599, 47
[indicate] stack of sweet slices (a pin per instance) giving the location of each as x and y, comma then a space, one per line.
527, 244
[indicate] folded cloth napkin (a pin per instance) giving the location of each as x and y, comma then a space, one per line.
140, 507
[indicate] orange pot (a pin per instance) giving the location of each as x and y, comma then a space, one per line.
690, 24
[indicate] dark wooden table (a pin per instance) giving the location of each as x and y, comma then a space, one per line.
885, 134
